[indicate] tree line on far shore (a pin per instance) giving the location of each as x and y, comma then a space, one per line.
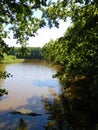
18, 53
27, 52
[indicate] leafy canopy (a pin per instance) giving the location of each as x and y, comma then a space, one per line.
18, 17
77, 51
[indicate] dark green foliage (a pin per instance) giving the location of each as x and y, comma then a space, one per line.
34, 53
27, 53
77, 52
2, 92
19, 16
22, 125
3, 49
76, 108
4, 75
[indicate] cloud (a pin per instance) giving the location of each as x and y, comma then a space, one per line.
44, 35
11, 42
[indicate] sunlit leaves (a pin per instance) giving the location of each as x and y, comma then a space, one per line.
2, 92
5, 75
77, 51
20, 16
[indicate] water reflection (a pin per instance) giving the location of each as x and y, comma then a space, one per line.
3, 75
2, 69
75, 109
30, 84
22, 124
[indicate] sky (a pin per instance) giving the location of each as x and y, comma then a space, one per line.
44, 35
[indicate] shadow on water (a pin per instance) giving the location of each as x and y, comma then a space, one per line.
27, 89
76, 108
33, 104
9, 120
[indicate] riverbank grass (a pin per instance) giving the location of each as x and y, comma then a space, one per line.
10, 59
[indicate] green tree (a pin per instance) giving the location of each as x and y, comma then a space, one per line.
18, 17
48, 51
34, 53
77, 52
78, 49
29, 52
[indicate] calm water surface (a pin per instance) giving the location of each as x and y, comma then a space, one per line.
30, 84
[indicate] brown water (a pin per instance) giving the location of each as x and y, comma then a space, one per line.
30, 84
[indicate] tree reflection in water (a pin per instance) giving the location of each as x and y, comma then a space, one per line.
75, 109
22, 125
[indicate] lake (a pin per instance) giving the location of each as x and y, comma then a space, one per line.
31, 83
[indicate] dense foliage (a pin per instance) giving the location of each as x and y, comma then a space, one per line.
27, 52
18, 17
77, 52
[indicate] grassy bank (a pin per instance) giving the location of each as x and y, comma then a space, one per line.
10, 59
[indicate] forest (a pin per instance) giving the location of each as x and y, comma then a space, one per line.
27, 52
76, 52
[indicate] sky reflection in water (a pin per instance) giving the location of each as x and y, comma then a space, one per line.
30, 84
